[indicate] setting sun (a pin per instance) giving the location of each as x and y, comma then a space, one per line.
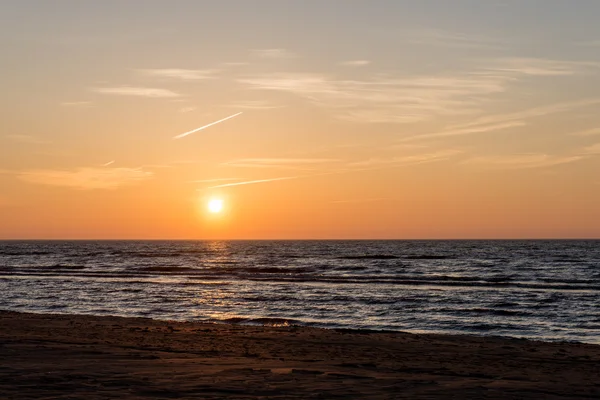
215, 205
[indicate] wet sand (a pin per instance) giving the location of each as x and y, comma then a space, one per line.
88, 357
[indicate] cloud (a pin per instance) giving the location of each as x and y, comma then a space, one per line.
205, 126
186, 109
587, 132
215, 180
29, 139
76, 104
381, 116
273, 53
86, 178
234, 64
292, 163
518, 161
368, 165
441, 38
589, 43
137, 91
359, 200
254, 105
384, 99
540, 67
355, 63
492, 123
468, 130
181, 74
593, 149
377, 163
108, 163
530, 113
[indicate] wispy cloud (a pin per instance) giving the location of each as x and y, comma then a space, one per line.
368, 165
253, 105
137, 91
86, 178
355, 63
206, 126
518, 161
589, 43
108, 163
529, 113
288, 163
442, 38
181, 74
408, 99
351, 201
492, 123
593, 149
361, 166
273, 53
254, 182
29, 139
76, 104
587, 132
184, 110
215, 180
234, 64
406, 160
484, 128
540, 67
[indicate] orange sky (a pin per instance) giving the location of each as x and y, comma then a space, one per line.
452, 126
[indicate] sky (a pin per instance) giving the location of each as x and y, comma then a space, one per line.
283, 119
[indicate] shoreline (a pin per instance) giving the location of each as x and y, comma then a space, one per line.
263, 322
85, 356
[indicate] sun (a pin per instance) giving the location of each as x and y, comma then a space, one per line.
215, 206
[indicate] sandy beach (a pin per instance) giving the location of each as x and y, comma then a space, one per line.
69, 357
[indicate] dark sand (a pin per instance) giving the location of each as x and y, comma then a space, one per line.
86, 357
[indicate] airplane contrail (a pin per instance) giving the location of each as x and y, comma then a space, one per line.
343, 171
206, 126
276, 179
108, 163
252, 182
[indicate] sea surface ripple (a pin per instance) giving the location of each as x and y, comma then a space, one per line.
547, 290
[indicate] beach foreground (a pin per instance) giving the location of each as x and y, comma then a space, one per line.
66, 356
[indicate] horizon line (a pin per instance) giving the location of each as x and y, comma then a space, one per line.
298, 240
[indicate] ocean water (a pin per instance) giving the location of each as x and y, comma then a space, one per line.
548, 290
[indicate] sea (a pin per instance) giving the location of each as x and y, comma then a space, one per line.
536, 289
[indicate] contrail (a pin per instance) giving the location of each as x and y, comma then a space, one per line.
206, 126
252, 182
108, 163
345, 171
278, 179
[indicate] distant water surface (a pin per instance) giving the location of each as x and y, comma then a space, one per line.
547, 290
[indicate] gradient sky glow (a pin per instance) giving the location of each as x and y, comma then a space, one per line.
359, 119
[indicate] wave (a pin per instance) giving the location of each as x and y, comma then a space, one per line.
263, 321
65, 266
143, 254
275, 270
370, 257
395, 257
26, 253
426, 257
497, 312
166, 269
303, 274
